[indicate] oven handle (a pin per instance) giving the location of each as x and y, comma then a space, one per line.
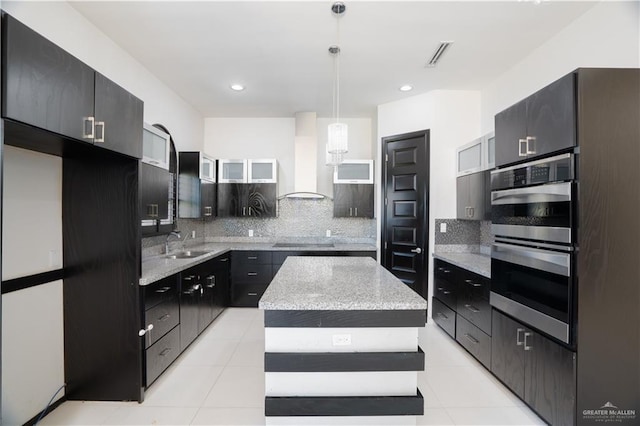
545, 260
552, 193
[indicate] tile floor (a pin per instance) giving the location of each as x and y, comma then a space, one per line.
219, 380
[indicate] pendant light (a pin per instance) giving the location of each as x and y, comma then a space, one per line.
337, 140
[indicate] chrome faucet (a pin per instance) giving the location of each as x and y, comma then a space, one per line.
176, 234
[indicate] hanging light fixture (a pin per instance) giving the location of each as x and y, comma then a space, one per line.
337, 140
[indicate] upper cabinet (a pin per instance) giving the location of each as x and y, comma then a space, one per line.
541, 124
48, 88
476, 156
354, 171
353, 192
247, 188
155, 147
196, 185
248, 171
232, 171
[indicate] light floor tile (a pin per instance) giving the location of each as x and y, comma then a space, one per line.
430, 398
226, 329
83, 413
142, 415
434, 416
494, 416
229, 416
249, 352
209, 352
182, 386
238, 387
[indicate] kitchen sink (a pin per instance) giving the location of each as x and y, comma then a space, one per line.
186, 254
303, 245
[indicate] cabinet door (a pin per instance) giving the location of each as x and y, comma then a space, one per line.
222, 272
507, 355
362, 200
189, 303
476, 195
511, 127
261, 199
207, 200
118, 118
550, 381
551, 118
230, 199
43, 85
462, 197
153, 191
207, 298
341, 200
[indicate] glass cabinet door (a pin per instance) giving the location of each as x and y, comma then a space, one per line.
232, 171
263, 171
207, 168
469, 158
354, 171
155, 147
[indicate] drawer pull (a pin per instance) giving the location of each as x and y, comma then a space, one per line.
440, 314
526, 346
471, 283
472, 308
163, 290
443, 290
165, 352
446, 292
471, 338
252, 257
226, 259
518, 341
252, 294
252, 274
164, 317
211, 285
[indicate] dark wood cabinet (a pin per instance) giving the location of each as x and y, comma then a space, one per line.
471, 194
118, 118
190, 293
251, 273
48, 88
538, 370
247, 200
196, 192
353, 200
541, 124
154, 190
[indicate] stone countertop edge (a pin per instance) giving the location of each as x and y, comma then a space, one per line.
155, 268
474, 262
337, 284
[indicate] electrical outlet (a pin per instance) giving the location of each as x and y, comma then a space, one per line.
341, 339
328, 232
193, 234
443, 227
251, 232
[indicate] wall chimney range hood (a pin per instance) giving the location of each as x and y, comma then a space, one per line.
306, 158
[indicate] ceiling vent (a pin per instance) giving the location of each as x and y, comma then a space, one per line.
444, 45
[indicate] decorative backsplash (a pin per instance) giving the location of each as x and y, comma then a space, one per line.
463, 236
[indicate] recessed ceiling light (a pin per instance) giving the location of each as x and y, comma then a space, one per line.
406, 88
237, 87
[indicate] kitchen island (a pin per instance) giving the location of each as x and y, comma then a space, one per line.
341, 344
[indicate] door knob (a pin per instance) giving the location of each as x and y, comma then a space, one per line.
416, 250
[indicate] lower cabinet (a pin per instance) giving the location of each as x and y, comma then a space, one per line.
444, 317
537, 369
474, 340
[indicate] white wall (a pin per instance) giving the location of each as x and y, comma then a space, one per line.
453, 118
63, 25
607, 35
274, 138
32, 328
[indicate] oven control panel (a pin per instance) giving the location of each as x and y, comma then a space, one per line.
555, 169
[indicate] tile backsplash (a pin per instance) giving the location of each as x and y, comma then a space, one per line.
463, 236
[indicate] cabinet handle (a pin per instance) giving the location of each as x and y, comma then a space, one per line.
208, 211
145, 330
518, 341
163, 290
350, 211
249, 208
100, 139
252, 257
472, 284
252, 294
531, 142
226, 259
472, 308
446, 271
165, 352
522, 147
527, 347
471, 338
472, 212
446, 292
440, 314
244, 211
356, 212
164, 317
252, 274
211, 285
88, 131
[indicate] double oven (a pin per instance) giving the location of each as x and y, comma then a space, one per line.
533, 219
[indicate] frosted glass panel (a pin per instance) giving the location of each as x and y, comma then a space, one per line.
154, 147
470, 158
491, 150
347, 171
233, 170
208, 169
261, 171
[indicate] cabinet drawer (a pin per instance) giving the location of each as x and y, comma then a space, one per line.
247, 295
251, 258
160, 355
477, 286
442, 269
475, 310
446, 292
160, 291
444, 317
164, 317
474, 340
252, 274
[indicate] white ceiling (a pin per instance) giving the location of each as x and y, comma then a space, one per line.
279, 50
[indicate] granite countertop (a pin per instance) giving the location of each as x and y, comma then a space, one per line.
474, 262
337, 283
155, 268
